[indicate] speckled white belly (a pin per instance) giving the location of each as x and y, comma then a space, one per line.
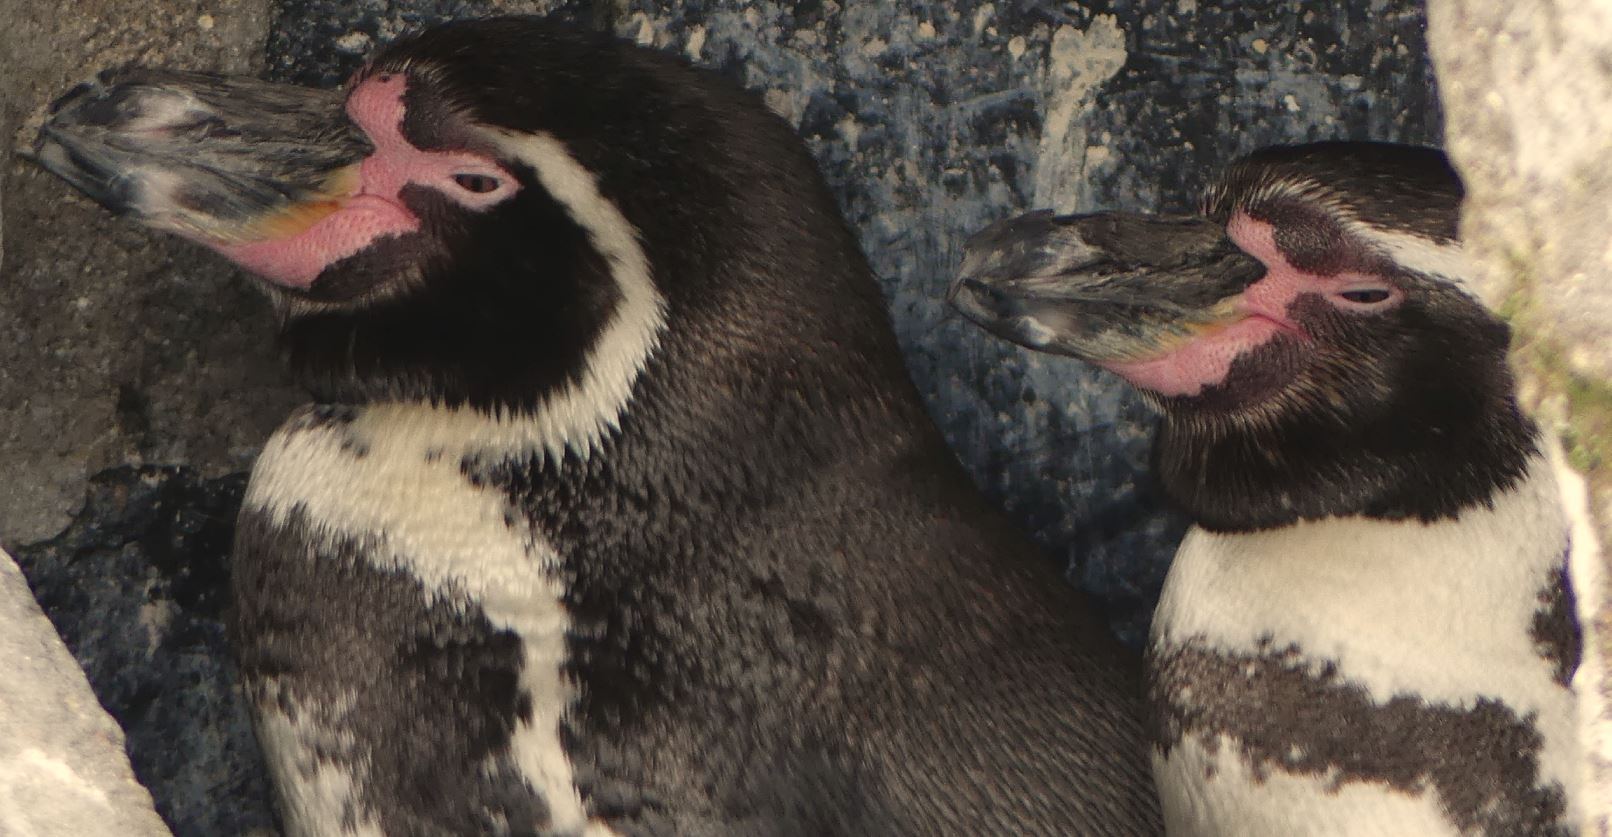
405, 494
1331, 677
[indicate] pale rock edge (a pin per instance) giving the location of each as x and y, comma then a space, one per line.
1527, 92
63, 769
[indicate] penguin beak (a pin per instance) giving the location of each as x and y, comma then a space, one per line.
1108, 288
218, 159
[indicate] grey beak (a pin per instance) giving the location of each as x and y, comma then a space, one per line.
1103, 287
218, 158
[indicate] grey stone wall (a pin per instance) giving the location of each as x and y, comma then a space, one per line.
118, 345
930, 119
1529, 91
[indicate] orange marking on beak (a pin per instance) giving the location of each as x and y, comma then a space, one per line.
294, 219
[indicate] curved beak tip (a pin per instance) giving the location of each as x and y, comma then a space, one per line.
975, 300
83, 88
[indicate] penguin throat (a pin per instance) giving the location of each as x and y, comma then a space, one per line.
1234, 474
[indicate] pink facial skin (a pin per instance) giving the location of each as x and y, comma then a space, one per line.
1261, 314
375, 210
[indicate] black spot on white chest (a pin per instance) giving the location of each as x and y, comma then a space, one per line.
1555, 629
1351, 668
1276, 712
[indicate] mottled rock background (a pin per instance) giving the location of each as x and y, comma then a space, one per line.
930, 119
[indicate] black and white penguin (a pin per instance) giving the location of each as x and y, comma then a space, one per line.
616, 511
1370, 628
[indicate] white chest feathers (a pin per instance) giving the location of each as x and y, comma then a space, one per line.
388, 489
1358, 677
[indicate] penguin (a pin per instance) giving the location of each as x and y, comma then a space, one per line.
1369, 629
614, 510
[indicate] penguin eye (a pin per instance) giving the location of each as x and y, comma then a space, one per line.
479, 184
475, 184
1366, 296
1365, 299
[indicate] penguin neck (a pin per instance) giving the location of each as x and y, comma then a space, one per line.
724, 440
732, 434
1308, 465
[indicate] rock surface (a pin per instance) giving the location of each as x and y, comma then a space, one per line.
1529, 89
63, 772
137, 587
119, 345
930, 119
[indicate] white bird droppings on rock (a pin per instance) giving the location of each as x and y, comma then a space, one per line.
1077, 63
354, 43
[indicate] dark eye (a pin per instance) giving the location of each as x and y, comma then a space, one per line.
1366, 296
481, 184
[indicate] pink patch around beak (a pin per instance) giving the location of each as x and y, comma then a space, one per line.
375, 210
297, 261
1202, 362
1260, 314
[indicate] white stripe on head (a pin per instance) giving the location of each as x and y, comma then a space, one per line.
1441, 260
1444, 260
1421, 254
580, 415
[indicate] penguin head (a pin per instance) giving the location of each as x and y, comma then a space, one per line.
1359, 305
1309, 334
489, 214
